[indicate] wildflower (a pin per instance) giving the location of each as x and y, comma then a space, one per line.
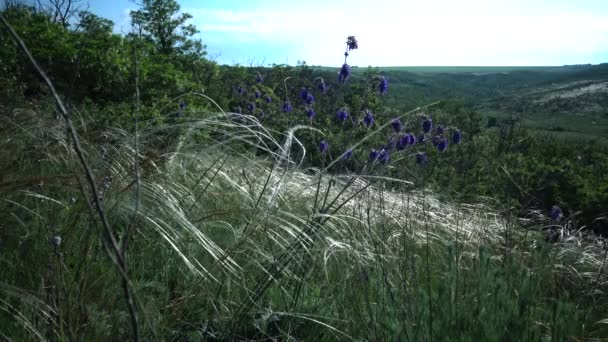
442, 145
373, 155
251, 106
182, 105
411, 139
396, 125
342, 115
383, 86
556, 213
352, 43
240, 90
348, 154
310, 113
261, 114
421, 139
456, 137
257, 94
259, 78
439, 130
310, 99
402, 142
421, 158
303, 94
436, 140
287, 108
323, 146
368, 119
267, 98
344, 72
238, 110
427, 124
383, 156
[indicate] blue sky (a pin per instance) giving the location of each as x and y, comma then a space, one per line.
394, 32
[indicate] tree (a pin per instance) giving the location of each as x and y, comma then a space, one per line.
160, 22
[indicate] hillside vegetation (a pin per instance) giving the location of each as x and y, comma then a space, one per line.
148, 193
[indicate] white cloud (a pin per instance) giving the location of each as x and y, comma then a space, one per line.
474, 32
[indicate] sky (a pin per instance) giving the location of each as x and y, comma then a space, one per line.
393, 32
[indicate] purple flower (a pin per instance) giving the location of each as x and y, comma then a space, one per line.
344, 72
421, 158
182, 105
411, 139
240, 90
439, 130
342, 114
383, 85
373, 154
442, 145
251, 106
259, 78
351, 42
427, 124
348, 154
310, 99
396, 125
456, 137
261, 114
383, 156
310, 113
368, 119
287, 108
402, 142
257, 94
556, 213
323, 146
303, 94
267, 98
421, 139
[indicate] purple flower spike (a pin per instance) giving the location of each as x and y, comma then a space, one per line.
240, 90
456, 137
251, 106
396, 125
368, 119
383, 85
344, 73
556, 213
323, 146
267, 98
442, 145
421, 158
373, 155
310, 113
287, 108
440, 130
352, 43
427, 124
412, 139
342, 115
310, 99
421, 139
182, 105
402, 142
257, 94
303, 94
259, 78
